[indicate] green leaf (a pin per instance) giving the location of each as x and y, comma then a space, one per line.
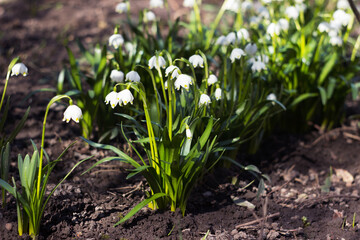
74, 70
301, 98
60, 82
327, 68
140, 206
19, 126
323, 95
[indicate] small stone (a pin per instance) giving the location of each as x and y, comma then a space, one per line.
234, 232
275, 225
8, 226
240, 235
77, 190
272, 235
207, 194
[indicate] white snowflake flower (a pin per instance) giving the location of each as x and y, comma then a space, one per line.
271, 97
196, 60
230, 38
121, 7
273, 29
113, 99
263, 12
243, 34
72, 112
218, 94
250, 49
212, 79
292, 12
132, 76
189, 3
233, 5
156, 3
336, 41
117, 76
342, 17
157, 64
188, 132
125, 96
257, 66
116, 40
166, 85
324, 27
204, 99
150, 16
221, 41
183, 80
247, 6
19, 68
283, 24
174, 70
236, 53
343, 4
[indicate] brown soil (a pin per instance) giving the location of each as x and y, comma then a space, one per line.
86, 207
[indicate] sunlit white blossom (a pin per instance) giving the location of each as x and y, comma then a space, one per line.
196, 60
301, 7
231, 38
212, 79
336, 41
72, 112
160, 62
335, 25
183, 80
121, 7
292, 12
324, 27
263, 12
125, 97
246, 5
166, 85
343, 4
243, 34
117, 76
232, 5
283, 24
341, 16
257, 66
174, 70
188, 132
204, 99
189, 3
112, 98
130, 48
132, 76
19, 68
250, 49
221, 41
150, 16
254, 20
218, 94
116, 40
156, 3
273, 29
236, 53
271, 97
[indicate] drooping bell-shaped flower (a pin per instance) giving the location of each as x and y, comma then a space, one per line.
72, 112
257, 66
121, 7
116, 40
157, 64
221, 41
125, 97
189, 3
231, 38
243, 34
196, 60
117, 76
342, 17
174, 70
343, 4
188, 132
233, 5
292, 12
19, 68
112, 98
150, 16
250, 49
204, 99
132, 76
271, 97
324, 27
156, 3
183, 80
212, 79
218, 94
283, 24
273, 29
336, 41
166, 85
236, 53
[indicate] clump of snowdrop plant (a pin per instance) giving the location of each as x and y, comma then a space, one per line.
30, 198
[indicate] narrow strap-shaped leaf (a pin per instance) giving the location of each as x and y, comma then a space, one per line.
301, 98
4, 117
327, 68
107, 159
19, 126
322, 95
7, 187
140, 206
74, 70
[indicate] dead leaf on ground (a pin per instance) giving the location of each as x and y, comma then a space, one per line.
344, 175
243, 203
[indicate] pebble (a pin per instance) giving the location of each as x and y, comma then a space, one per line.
77, 190
8, 226
272, 235
234, 232
275, 225
207, 194
240, 235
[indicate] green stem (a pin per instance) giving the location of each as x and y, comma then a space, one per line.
53, 100
356, 48
198, 18
4, 91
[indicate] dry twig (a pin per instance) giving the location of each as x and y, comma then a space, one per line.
257, 220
